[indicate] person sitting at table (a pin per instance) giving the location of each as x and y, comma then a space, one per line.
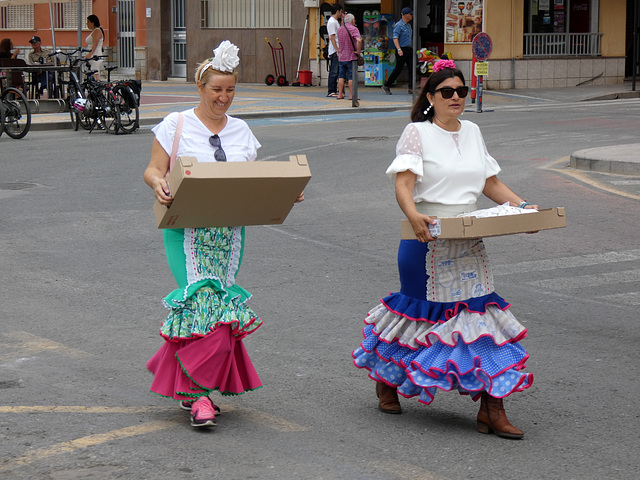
6, 45
15, 78
43, 80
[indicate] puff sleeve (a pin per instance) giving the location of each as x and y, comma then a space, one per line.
408, 154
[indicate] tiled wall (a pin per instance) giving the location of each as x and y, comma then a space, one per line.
534, 73
548, 73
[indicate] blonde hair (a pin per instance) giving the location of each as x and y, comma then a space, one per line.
206, 70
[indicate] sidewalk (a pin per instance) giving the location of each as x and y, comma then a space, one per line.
261, 101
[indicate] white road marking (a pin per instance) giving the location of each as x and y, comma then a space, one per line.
567, 262
581, 281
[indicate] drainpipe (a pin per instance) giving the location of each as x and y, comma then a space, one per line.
414, 42
634, 55
513, 50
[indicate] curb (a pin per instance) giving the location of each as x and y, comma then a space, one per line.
66, 124
626, 160
615, 96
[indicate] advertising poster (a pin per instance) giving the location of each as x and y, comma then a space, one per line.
463, 20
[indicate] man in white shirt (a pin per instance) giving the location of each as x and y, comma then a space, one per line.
332, 29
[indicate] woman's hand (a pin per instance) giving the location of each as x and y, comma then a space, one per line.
405, 182
155, 173
300, 198
162, 192
420, 224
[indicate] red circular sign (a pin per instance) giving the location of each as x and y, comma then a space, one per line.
482, 46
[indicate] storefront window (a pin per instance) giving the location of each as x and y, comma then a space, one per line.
561, 27
558, 16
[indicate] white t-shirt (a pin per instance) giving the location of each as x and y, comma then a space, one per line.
332, 29
236, 139
451, 167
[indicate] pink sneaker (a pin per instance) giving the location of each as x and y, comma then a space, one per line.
202, 413
185, 405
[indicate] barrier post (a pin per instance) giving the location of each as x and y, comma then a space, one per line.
474, 80
479, 105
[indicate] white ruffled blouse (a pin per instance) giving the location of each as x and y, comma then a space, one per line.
451, 167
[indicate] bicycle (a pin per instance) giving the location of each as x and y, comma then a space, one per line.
15, 114
92, 103
127, 101
102, 107
75, 91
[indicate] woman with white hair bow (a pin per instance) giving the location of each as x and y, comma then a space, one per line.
208, 316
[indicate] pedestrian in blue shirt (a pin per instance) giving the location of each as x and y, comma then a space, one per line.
402, 38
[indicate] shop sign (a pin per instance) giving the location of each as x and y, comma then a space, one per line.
463, 20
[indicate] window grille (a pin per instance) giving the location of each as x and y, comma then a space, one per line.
16, 17
273, 13
245, 13
65, 15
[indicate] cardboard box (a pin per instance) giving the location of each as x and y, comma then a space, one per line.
228, 194
472, 227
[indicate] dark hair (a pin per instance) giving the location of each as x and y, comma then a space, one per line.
5, 45
335, 8
417, 113
94, 19
96, 22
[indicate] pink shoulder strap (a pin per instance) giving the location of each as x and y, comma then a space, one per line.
176, 141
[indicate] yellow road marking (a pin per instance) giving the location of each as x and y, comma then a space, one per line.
583, 177
84, 442
270, 421
25, 343
78, 409
402, 470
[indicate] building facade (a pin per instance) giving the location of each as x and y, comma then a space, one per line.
536, 43
182, 34
123, 21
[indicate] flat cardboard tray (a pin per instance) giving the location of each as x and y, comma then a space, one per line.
229, 194
472, 227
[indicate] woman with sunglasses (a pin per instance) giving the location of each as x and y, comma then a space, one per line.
208, 314
446, 328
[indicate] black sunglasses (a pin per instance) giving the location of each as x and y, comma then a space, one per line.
447, 92
219, 154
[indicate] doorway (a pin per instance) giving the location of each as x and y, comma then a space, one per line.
178, 39
126, 36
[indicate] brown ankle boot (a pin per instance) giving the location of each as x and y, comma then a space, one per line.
388, 398
493, 419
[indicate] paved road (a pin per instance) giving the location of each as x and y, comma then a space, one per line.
272, 103
84, 273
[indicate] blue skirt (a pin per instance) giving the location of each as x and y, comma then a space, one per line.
446, 328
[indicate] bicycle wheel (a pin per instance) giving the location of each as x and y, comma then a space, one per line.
17, 115
72, 96
85, 120
128, 108
89, 118
1, 117
111, 113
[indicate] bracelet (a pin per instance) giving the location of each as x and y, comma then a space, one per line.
523, 204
